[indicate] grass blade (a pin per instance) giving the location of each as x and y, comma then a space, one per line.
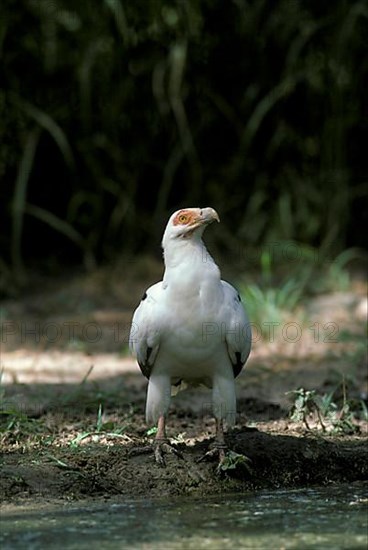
19, 200
56, 223
49, 124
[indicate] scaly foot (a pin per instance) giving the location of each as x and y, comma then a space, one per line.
219, 450
160, 447
227, 459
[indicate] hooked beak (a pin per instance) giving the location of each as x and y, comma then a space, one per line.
209, 215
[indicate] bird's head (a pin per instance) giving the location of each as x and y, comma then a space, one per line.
188, 223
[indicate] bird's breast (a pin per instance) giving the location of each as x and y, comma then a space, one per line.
191, 339
192, 344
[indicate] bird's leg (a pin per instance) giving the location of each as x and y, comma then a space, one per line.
219, 447
161, 428
220, 444
228, 459
162, 444
160, 440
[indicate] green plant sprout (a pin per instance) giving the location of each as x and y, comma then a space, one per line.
235, 461
328, 415
275, 297
103, 429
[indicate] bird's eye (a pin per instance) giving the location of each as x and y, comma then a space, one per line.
183, 218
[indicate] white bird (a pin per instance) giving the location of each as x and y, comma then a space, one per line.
190, 328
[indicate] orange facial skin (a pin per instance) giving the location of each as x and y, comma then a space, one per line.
186, 217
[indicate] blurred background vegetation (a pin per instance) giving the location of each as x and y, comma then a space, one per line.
114, 113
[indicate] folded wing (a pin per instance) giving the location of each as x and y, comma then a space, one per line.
237, 328
144, 339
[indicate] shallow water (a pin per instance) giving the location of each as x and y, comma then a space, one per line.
328, 517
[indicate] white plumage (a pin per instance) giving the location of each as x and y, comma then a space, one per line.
190, 328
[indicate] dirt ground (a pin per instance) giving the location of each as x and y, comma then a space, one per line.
73, 404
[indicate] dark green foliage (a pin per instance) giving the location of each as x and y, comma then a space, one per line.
116, 112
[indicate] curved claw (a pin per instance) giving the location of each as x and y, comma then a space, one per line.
140, 450
161, 447
219, 450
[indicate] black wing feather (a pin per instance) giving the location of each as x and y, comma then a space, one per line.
145, 367
237, 367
